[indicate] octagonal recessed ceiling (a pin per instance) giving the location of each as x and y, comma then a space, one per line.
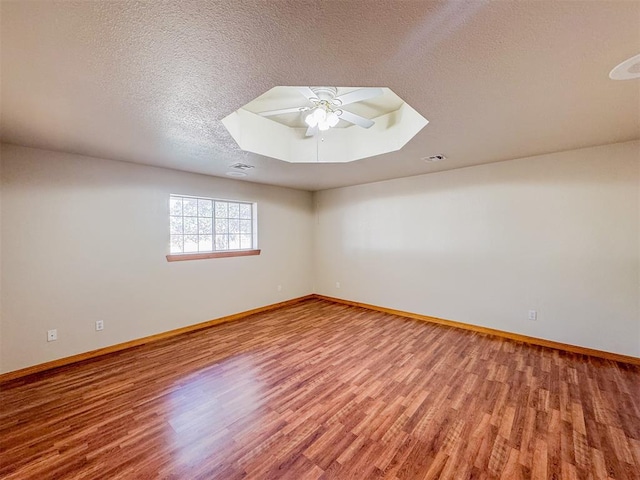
366, 122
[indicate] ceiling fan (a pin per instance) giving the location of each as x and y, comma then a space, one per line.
326, 109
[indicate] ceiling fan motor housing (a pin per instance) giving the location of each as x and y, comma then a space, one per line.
325, 93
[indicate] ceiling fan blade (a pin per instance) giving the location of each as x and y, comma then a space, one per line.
311, 131
281, 111
359, 95
356, 119
307, 93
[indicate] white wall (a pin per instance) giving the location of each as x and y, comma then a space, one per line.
0, 262
85, 239
557, 233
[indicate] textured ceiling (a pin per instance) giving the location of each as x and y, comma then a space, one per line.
149, 82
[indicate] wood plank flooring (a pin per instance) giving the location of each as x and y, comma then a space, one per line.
317, 391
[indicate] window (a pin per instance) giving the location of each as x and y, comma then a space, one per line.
211, 227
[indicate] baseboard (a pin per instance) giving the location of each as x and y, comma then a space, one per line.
5, 377
618, 357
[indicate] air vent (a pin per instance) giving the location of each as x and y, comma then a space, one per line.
241, 166
434, 158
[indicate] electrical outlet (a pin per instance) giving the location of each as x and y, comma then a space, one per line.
52, 335
279, 288
533, 315
99, 325
337, 284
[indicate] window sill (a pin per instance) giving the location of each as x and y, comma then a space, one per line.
201, 256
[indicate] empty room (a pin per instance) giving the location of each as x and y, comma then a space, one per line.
320, 239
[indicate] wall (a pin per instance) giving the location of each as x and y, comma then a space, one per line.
85, 239
557, 233
1, 262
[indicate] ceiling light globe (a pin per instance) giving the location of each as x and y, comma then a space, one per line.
311, 120
320, 114
323, 126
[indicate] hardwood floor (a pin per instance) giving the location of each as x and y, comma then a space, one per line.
320, 390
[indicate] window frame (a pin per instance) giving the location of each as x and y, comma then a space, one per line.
200, 255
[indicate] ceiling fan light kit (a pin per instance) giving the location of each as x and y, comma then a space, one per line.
322, 118
325, 112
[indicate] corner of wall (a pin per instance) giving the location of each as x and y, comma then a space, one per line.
1, 149
315, 199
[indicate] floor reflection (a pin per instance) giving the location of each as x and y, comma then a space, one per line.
206, 403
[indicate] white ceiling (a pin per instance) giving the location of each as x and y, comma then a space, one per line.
149, 82
394, 123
